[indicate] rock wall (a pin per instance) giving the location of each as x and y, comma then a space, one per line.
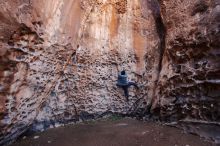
60, 60
189, 85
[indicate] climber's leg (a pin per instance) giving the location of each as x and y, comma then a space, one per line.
125, 88
133, 84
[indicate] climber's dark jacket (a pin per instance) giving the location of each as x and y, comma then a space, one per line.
124, 84
122, 79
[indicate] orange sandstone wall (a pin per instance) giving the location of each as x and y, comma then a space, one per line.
60, 60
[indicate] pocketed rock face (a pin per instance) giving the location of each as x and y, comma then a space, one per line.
59, 60
189, 85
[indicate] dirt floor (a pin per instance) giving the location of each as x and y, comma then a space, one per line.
121, 132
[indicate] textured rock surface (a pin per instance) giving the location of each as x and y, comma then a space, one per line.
189, 84
59, 60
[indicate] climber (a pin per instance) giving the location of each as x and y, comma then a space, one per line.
124, 84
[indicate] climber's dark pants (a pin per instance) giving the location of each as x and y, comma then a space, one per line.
125, 88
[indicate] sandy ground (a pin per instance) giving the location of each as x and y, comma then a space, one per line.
123, 132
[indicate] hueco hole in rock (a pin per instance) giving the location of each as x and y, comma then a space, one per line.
110, 72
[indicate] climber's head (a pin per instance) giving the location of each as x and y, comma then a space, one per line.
123, 72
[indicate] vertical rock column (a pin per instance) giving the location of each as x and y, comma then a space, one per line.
189, 80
